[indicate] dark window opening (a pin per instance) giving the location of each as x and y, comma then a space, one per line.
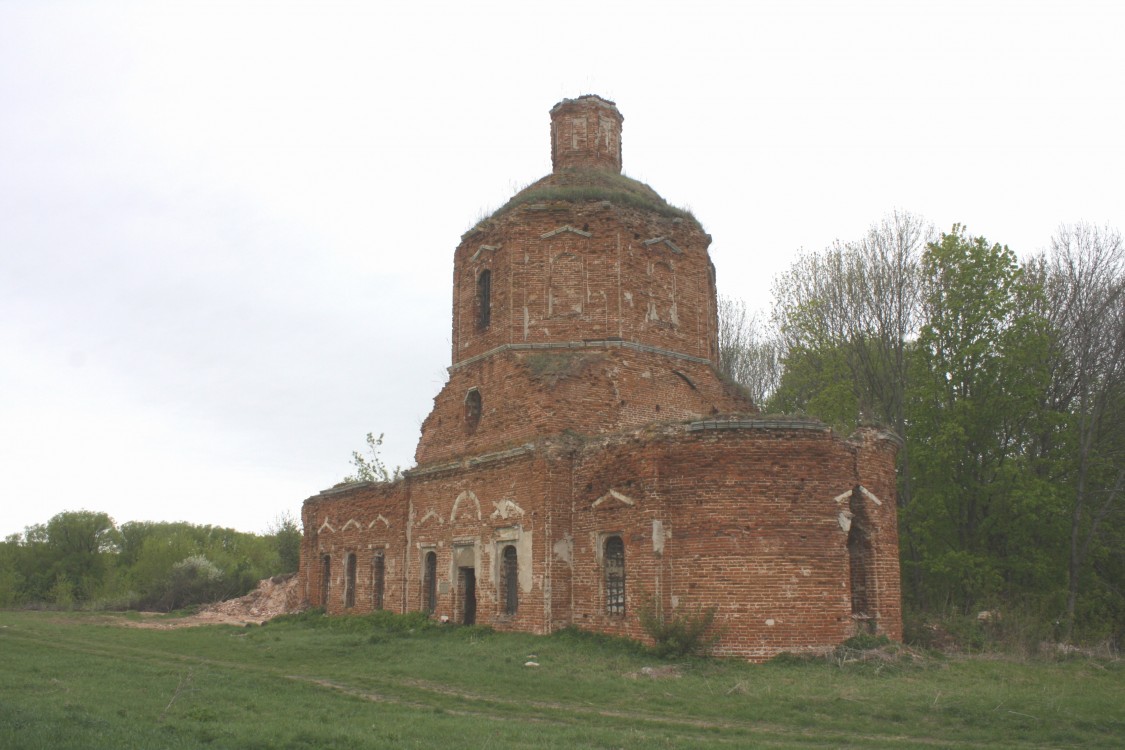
378, 580
472, 409
325, 579
429, 583
349, 581
859, 565
509, 580
467, 592
614, 562
484, 299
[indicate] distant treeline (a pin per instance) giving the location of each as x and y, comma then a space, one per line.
83, 559
1005, 381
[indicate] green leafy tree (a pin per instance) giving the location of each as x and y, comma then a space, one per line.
156, 553
11, 575
977, 374
81, 546
818, 381
285, 534
81, 558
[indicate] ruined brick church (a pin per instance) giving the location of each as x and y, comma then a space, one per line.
585, 459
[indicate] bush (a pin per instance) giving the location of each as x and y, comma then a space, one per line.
681, 633
193, 580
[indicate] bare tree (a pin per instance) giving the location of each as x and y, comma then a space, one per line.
1084, 282
750, 352
885, 280
862, 297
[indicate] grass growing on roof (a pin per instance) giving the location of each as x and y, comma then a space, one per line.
585, 185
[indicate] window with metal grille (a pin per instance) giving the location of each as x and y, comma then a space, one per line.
429, 583
349, 581
378, 580
614, 562
484, 299
510, 580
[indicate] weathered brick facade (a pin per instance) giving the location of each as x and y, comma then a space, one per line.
585, 459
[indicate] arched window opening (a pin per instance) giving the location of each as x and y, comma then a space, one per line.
467, 595
860, 566
378, 580
429, 583
325, 579
484, 299
509, 580
349, 581
472, 409
614, 562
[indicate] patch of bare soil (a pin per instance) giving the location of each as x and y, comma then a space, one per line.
274, 596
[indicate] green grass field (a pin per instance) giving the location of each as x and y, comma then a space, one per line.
80, 680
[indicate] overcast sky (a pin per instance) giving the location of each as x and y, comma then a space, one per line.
227, 229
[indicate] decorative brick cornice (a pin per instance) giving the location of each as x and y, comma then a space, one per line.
598, 344
472, 461
796, 423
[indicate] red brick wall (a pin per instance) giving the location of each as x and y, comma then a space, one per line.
525, 394
748, 520
564, 272
751, 526
363, 520
586, 132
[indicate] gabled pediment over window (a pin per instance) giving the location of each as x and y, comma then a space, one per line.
562, 229
613, 498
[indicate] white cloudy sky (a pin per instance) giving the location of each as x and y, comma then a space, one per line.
226, 228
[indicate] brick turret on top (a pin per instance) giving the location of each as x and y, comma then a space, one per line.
586, 133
